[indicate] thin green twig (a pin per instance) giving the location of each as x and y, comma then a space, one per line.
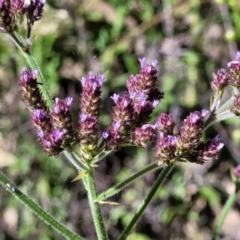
120, 186
100, 156
229, 203
73, 159
145, 202
226, 106
31, 61
36, 209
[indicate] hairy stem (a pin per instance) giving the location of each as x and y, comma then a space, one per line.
75, 161
120, 186
36, 209
225, 210
31, 61
145, 202
226, 106
94, 206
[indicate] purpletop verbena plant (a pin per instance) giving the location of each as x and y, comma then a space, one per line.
130, 121
131, 114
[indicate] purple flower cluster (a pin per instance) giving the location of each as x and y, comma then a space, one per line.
144, 135
133, 108
229, 76
220, 80
30, 91
11, 12
186, 145
54, 128
61, 119
35, 10
89, 123
234, 71
130, 120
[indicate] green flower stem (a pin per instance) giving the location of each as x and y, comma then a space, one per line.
120, 186
224, 115
90, 186
100, 156
226, 106
33, 65
17, 39
49, 220
73, 159
145, 202
94, 206
225, 210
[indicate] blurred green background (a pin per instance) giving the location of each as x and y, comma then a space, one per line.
191, 40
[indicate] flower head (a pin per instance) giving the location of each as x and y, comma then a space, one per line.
191, 131
236, 106
10, 14
234, 71
52, 143
146, 81
41, 121
35, 10
89, 136
143, 108
165, 150
90, 102
62, 119
144, 135
89, 123
30, 91
209, 150
144, 91
122, 124
165, 123
219, 80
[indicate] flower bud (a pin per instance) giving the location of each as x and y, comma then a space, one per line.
90, 102
35, 10
52, 142
219, 80
41, 121
165, 123
208, 151
191, 131
165, 150
234, 71
236, 106
145, 82
144, 135
10, 14
122, 124
89, 136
